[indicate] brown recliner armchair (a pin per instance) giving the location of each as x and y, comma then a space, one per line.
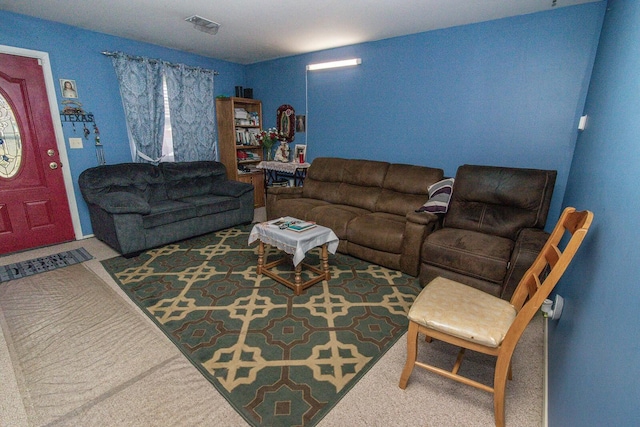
493, 230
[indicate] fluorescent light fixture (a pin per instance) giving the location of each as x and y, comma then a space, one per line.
334, 64
203, 24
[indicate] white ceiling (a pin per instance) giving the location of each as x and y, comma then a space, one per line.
254, 31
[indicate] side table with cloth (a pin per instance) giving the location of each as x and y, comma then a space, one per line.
297, 244
275, 170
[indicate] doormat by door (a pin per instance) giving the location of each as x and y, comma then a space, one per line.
42, 264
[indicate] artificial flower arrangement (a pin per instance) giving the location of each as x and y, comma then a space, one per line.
267, 138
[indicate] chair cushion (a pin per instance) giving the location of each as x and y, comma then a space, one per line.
462, 311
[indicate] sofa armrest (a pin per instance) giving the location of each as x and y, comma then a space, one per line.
528, 245
274, 194
121, 202
423, 218
285, 192
231, 188
418, 226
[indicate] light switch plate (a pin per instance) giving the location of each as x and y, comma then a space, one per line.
75, 142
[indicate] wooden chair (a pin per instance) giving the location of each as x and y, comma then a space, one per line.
471, 319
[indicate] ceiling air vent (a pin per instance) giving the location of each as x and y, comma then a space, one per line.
203, 24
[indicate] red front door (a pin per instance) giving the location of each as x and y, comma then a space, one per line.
34, 210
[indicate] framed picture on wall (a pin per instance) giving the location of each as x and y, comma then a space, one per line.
301, 123
68, 88
300, 153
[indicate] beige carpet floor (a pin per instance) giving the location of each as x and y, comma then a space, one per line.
75, 351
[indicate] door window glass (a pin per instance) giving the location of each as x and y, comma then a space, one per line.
10, 143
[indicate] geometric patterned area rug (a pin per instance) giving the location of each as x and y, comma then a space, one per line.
42, 264
279, 359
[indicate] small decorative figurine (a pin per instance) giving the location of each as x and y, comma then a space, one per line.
282, 154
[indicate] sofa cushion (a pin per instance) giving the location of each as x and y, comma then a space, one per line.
167, 212
142, 179
398, 203
468, 252
323, 179
362, 182
380, 231
405, 187
296, 208
328, 169
345, 181
336, 217
120, 202
211, 204
411, 179
225, 187
358, 196
185, 179
499, 200
327, 191
365, 173
439, 197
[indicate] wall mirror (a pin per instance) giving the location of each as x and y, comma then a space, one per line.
286, 123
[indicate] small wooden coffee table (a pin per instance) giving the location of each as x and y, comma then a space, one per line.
296, 243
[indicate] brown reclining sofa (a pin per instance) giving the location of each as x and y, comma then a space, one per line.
487, 239
370, 205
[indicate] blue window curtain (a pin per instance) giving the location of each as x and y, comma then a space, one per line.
192, 111
141, 90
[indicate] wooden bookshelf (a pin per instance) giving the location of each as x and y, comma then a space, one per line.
238, 148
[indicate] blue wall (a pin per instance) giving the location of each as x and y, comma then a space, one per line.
75, 54
594, 347
507, 92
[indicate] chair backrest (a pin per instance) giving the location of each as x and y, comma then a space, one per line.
499, 200
549, 266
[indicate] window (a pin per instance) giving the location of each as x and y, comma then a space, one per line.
167, 139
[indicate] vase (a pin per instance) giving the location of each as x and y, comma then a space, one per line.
269, 155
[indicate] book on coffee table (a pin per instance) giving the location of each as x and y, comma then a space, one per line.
301, 226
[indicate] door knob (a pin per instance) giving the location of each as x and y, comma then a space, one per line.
53, 165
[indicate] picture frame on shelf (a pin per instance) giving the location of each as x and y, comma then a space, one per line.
300, 153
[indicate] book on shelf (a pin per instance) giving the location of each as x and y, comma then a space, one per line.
247, 137
247, 156
245, 118
240, 113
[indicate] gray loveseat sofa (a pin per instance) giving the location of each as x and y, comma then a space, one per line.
137, 206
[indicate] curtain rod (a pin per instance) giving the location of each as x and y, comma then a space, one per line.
141, 58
